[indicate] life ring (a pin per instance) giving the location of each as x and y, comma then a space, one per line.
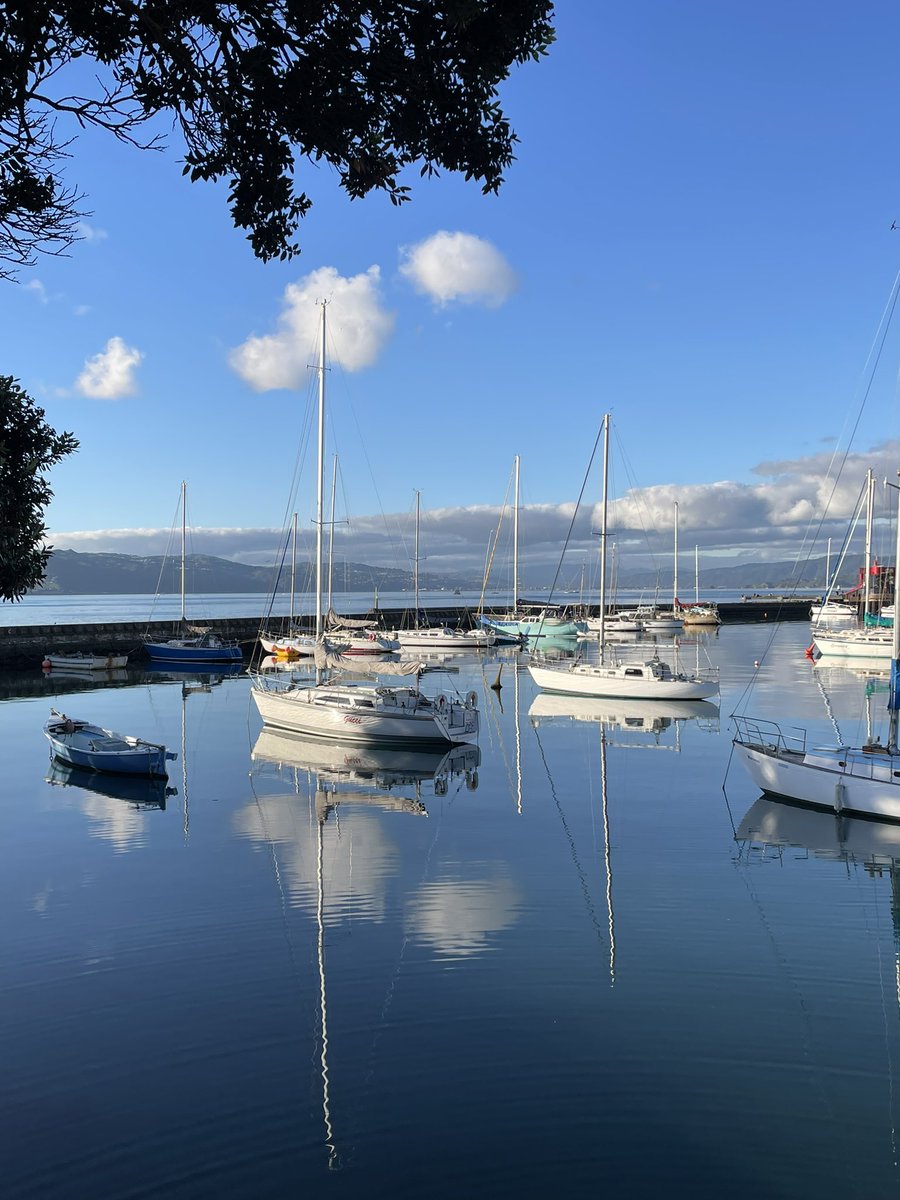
471, 699
441, 704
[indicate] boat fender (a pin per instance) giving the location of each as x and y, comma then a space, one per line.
46, 665
472, 781
839, 797
471, 699
440, 703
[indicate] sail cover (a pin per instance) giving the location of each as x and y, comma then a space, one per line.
327, 659
333, 621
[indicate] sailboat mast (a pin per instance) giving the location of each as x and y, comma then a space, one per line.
320, 497
870, 508
331, 538
603, 519
675, 571
293, 569
893, 698
696, 574
515, 603
183, 541
416, 563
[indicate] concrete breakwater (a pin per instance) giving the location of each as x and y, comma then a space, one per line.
24, 646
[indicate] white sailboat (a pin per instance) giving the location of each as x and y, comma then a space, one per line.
697, 613
873, 643
655, 619
360, 713
648, 679
861, 779
831, 610
438, 637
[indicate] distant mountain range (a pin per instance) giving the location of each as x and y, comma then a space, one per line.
73, 573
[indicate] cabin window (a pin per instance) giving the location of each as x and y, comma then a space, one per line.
634, 671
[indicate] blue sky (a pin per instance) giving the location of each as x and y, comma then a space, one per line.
695, 236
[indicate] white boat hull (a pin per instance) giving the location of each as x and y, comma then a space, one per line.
84, 662
841, 779
368, 715
646, 681
445, 639
855, 643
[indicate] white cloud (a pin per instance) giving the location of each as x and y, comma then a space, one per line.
774, 517
358, 327
81, 310
35, 285
89, 234
110, 375
459, 266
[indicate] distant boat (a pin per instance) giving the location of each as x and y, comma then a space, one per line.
84, 662
525, 620
650, 679
81, 744
193, 643
698, 613
438, 637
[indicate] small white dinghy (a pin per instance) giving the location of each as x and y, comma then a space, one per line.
84, 745
84, 662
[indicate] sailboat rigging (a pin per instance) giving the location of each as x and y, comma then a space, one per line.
438, 637
854, 779
194, 643
349, 711
526, 620
650, 679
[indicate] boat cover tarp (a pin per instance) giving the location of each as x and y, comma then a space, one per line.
329, 660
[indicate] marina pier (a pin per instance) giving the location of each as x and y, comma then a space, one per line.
24, 646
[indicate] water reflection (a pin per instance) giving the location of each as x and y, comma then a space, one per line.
115, 805
300, 782
340, 869
867, 850
457, 917
636, 716
383, 768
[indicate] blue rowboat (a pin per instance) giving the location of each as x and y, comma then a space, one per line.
81, 744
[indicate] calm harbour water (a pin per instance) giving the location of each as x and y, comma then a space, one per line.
562, 970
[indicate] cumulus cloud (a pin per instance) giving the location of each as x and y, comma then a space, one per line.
35, 285
789, 505
358, 327
110, 375
459, 266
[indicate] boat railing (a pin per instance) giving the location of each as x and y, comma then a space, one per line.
768, 735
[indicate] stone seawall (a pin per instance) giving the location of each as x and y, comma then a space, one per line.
24, 646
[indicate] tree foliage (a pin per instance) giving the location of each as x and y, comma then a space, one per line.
28, 447
368, 87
